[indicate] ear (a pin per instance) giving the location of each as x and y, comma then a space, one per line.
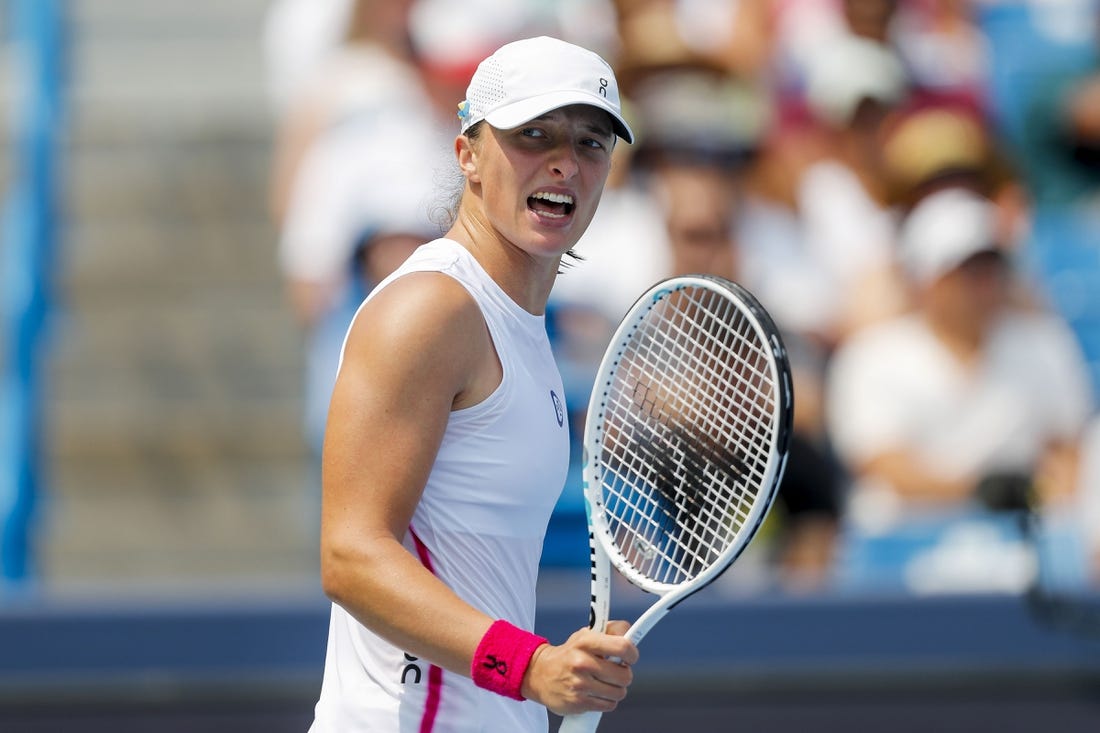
467, 158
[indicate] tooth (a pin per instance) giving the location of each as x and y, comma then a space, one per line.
557, 198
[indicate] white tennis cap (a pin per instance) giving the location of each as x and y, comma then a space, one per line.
525, 79
946, 229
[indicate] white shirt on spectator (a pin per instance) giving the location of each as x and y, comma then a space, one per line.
896, 386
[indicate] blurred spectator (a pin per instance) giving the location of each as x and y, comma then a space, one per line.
870, 19
729, 36
798, 29
967, 402
297, 36
823, 171
944, 50
930, 146
369, 73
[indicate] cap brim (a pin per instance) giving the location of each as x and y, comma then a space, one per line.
515, 114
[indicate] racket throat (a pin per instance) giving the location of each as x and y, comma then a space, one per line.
648, 620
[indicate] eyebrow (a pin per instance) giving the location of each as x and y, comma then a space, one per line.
607, 130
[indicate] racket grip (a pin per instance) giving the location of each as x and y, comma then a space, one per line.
581, 722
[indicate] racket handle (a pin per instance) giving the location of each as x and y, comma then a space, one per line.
581, 723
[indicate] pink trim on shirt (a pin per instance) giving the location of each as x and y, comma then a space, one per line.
435, 673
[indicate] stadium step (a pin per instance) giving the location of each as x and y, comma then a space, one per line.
173, 398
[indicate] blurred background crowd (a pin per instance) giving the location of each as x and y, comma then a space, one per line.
910, 187
856, 164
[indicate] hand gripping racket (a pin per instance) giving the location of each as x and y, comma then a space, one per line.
685, 444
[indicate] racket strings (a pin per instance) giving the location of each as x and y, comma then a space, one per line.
738, 352
687, 430
730, 352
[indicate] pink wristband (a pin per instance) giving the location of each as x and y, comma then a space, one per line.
502, 658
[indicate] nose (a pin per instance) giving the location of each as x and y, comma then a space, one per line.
564, 162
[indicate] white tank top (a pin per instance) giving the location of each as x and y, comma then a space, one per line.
479, 527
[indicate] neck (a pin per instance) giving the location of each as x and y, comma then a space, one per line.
524, 278
963, 339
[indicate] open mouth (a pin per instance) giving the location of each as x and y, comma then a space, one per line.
551, 205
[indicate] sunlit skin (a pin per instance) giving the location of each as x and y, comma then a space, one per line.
518, 238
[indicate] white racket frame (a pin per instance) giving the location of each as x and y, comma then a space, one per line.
604, 552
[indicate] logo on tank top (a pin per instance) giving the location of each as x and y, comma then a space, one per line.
559, 408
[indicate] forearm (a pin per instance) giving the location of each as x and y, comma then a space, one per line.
912, 480
390, 592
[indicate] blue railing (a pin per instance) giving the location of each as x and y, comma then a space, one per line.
29, 230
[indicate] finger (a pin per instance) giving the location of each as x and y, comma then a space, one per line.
618, 648
615, 674
617, 628
604, 646
607, 691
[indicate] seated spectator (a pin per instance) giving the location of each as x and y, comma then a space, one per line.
969, 401
931, 145
945, 50
728, 36
296, 37
821, 169
369, 73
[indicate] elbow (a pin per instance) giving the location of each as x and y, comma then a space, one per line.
351, 564
356, 565
336, 572
330, 583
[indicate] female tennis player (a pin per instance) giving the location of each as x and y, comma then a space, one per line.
447, 441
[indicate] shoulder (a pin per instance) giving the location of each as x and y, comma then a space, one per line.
418, 305
1038, 336
894, 337
420, 338
1035, 324
882, 358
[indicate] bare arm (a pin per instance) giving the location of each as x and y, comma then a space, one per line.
408, 357
912, 479
1055, 476
418, 350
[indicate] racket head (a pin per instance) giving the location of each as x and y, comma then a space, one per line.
686, 434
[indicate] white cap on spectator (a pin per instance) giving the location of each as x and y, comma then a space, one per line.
525, 79
848, 70
944, 230
451, 39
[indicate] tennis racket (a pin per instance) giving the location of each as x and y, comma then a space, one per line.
684, 445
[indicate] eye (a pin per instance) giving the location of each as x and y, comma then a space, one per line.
533, 132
